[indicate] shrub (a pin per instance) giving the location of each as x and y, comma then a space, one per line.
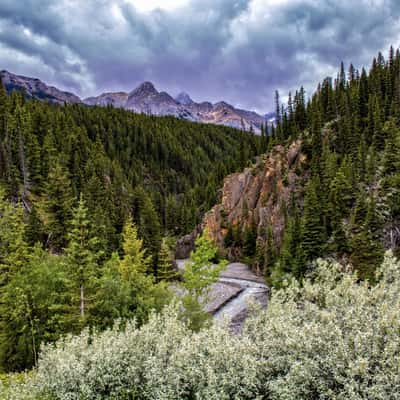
329, 338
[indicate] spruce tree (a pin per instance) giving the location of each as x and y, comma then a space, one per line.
135, 259
313, 230
14, 250
250, 240
291, 261
165, 269
56, 206
147, 222
81, 256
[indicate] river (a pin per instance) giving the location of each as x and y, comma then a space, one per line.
234, 305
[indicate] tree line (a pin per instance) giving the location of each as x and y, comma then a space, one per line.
349, 204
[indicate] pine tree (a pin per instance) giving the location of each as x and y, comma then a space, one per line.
202, 270
377, 139
80, 255
367, 250
34, 309
313, 230
56, 206
14, 250
340, 195
166, 270
135, 259
291, 261
270, 248
391, 155
250, 240
229, 239
34, 228
147, 222
391, 178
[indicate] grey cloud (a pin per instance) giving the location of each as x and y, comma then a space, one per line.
236, 50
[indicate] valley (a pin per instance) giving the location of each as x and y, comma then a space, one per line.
153, 247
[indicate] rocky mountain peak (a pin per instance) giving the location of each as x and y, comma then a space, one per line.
223, 104
184, 99
144, 89
145, 98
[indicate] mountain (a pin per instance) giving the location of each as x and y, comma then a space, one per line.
35, 88
116, 99
146, 99
184, 98
270, 117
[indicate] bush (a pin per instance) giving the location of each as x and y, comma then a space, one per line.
329, 338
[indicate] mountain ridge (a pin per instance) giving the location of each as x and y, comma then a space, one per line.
36, 88
146, 99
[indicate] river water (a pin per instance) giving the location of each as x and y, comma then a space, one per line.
236, 308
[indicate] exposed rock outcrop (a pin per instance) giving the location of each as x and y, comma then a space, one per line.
258, 196
185, 245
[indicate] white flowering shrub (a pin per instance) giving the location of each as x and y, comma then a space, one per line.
331, 338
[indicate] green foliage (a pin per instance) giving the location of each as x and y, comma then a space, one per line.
250, 240
201, 271
366, 248
44, 296
135, 259
331, 338
81, 256
35, 308
125, 290
56, 206
291, 261
350, 138
163, 171
165, 268
146, 219
313, 235
13, 247
120, 299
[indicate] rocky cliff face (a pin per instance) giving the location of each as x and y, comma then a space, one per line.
257, 196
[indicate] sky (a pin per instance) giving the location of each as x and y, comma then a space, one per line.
239, 51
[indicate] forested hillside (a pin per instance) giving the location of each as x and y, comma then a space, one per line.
87, 194
330, 184
91, 196
118, 160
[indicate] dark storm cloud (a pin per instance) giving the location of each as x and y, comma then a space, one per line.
237, 50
